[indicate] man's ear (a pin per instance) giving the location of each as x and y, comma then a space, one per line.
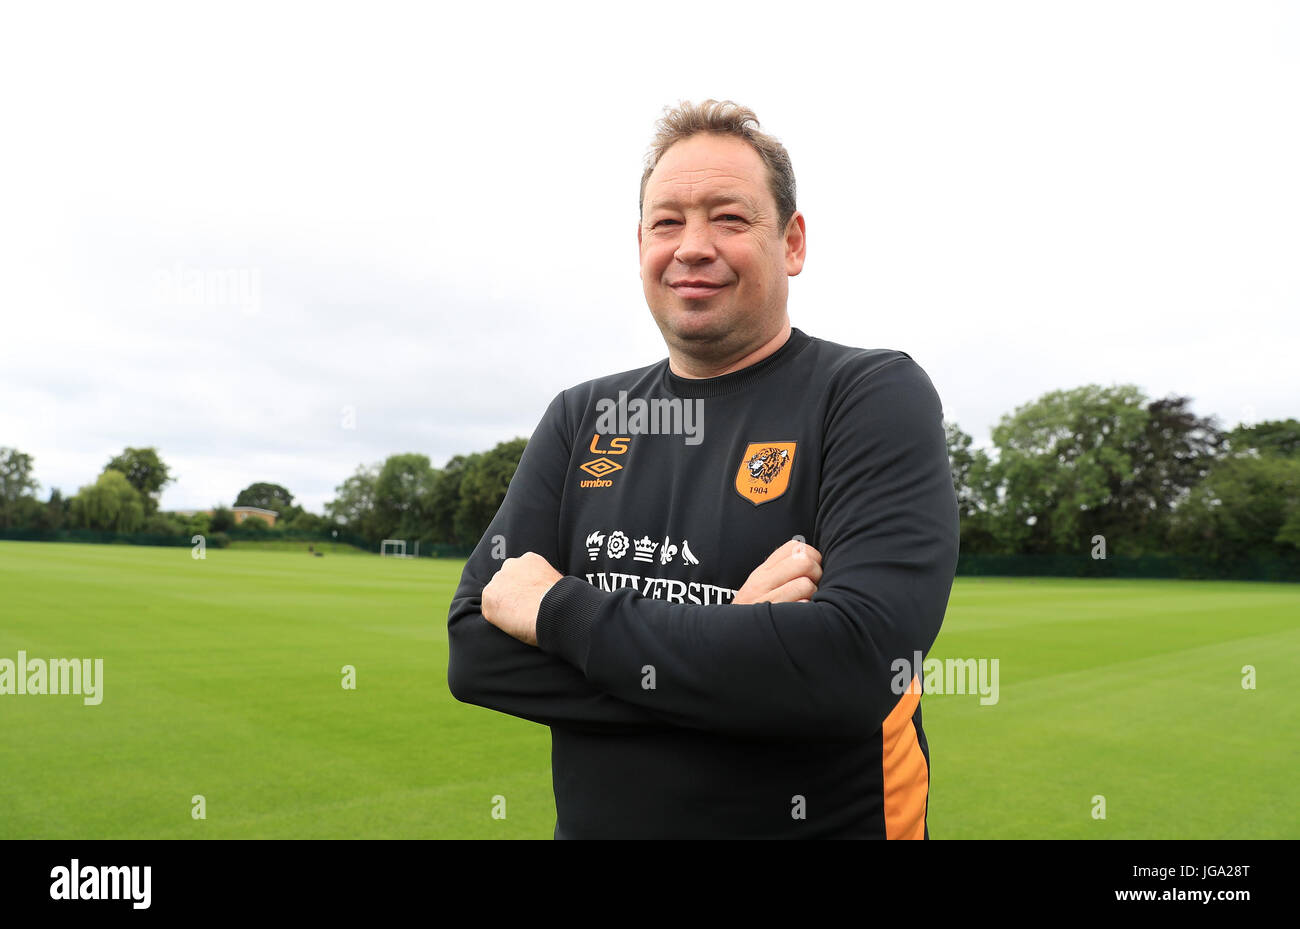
796, 244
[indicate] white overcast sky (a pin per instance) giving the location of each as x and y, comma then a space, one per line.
436, 206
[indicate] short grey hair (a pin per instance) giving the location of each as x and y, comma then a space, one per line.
725, 118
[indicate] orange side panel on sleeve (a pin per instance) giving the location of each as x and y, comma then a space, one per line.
906, 776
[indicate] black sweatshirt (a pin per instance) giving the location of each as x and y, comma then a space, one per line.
673, 712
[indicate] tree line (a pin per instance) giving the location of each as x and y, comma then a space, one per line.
1148, 476
404, 497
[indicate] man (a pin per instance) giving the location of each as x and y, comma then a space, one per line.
712, 621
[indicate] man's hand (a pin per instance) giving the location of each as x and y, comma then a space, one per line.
514, 595
790, 575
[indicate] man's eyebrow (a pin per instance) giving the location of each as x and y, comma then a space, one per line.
725, 197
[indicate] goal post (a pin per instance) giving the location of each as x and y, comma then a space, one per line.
399, 547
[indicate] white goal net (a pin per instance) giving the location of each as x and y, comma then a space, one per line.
398, 548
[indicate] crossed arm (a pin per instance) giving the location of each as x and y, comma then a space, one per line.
806, 667
490, 668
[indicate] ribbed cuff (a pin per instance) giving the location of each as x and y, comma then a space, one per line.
564, 620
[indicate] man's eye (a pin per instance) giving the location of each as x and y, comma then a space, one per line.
724, 216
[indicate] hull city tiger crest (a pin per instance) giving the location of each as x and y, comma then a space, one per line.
764, 471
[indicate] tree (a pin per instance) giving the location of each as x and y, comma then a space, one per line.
1170, 456
483, 487
27, 513
1273, 437
164, 524
269, 497
198, 524
445, 499
255, 523
354, 505
1247, 506
145, 471
55, 513
960, 460
975, 489
16, 482
1058, 458
308, 522
403, 496
222, 519
111, 504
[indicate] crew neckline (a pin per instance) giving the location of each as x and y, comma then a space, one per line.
723, 384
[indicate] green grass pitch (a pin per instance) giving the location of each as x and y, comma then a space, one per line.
222, 678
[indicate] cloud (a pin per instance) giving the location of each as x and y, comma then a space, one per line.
438, 215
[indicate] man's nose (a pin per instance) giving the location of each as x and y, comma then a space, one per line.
697, 242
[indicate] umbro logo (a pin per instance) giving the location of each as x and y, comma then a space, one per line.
600, 468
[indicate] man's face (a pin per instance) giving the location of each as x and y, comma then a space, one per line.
709, 216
